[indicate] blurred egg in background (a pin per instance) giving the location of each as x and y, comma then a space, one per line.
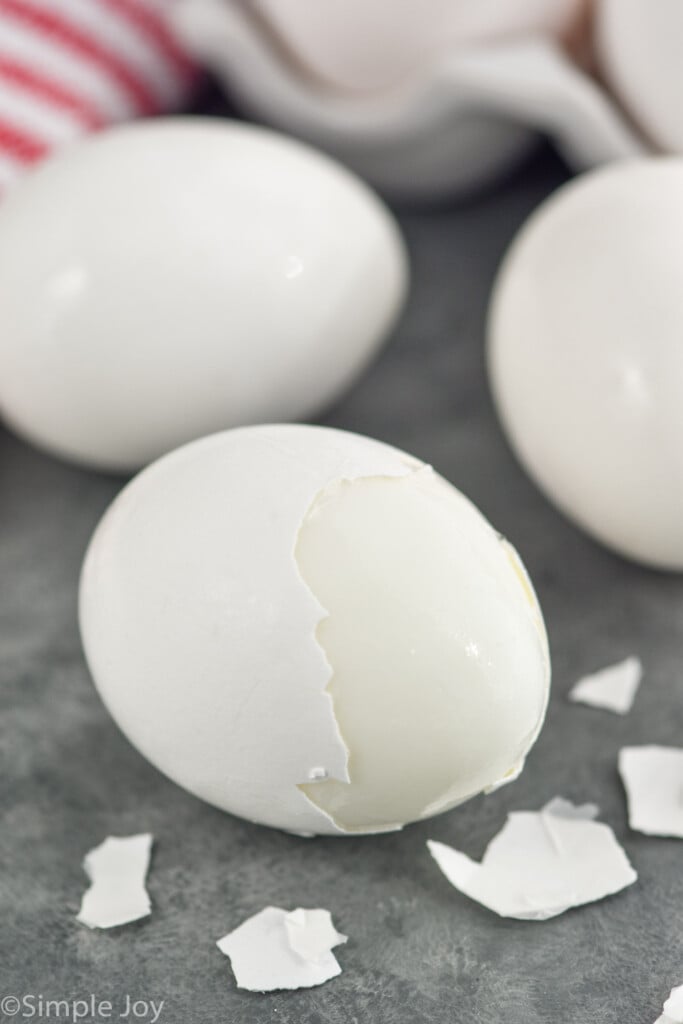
585, 354
166, 280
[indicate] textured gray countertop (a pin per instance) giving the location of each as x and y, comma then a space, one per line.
418, 950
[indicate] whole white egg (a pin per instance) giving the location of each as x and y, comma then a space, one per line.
586, 358
367, 45
639, 45
313, 631
162, 281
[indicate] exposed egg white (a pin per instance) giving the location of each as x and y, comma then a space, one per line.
639, 47
313, 631
163, 281
366, 46
585, 354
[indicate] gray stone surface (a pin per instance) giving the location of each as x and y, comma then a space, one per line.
418, 951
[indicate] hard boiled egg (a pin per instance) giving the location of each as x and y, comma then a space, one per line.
314, 631
639, 45
585, 354
163, 281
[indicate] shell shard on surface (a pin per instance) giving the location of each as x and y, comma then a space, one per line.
117, 869
673, 1008
278, 949
541, 863
311, 933
613, 688
653, 779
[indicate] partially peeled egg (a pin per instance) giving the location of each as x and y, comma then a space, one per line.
313, 631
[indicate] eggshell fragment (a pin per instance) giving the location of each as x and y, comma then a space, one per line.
673, 1008
117, 869
159, 282
541, 864
639, 47
313, 631
653, 780
585, 355
612, 688
276, 949
311, 934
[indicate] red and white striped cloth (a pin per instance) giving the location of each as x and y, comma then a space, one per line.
73, 66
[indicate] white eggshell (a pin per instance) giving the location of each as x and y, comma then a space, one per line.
639, 45
423, 680
585, 354
366, 45
163, 281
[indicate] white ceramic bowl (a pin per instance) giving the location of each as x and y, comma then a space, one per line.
423, 100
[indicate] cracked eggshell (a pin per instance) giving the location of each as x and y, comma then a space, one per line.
585, 355
639, 50
162, 281
313, 630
